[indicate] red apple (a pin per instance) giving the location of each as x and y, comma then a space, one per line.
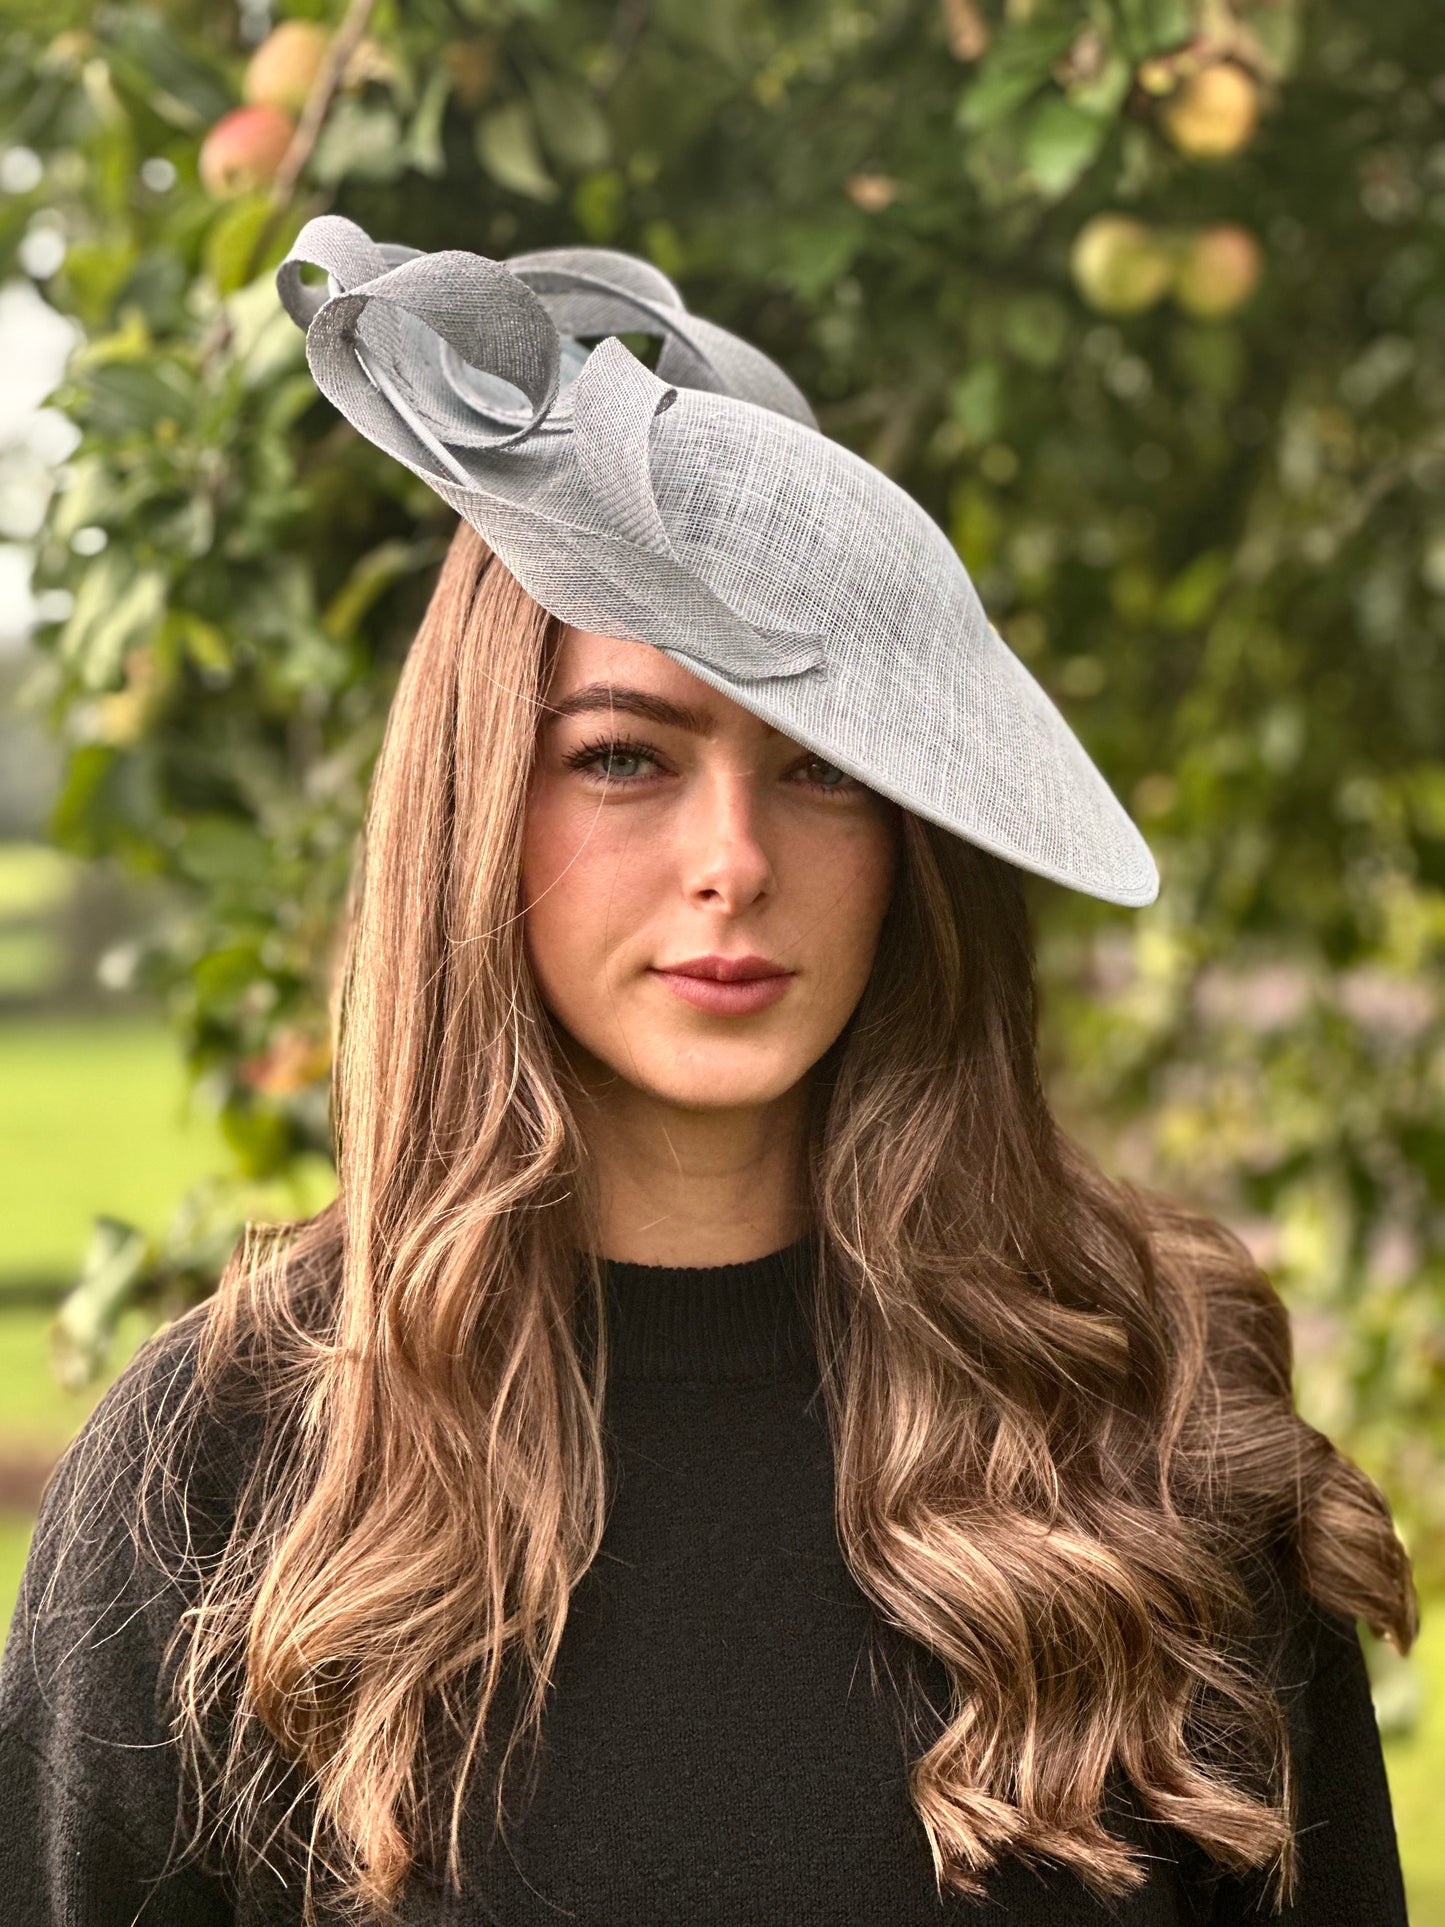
243, 150
1219, 271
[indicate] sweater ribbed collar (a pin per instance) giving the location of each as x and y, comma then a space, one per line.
712, 1323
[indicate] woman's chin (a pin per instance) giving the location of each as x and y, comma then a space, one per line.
723, 1084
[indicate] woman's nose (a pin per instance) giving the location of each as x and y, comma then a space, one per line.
725, 834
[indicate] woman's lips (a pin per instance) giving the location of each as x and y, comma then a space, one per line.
731, 1000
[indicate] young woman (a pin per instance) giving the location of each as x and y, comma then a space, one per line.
725, 1456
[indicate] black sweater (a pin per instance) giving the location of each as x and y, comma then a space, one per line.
720, 1748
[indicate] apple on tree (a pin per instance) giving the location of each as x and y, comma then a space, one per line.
243, 150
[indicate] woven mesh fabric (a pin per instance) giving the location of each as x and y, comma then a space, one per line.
700, 509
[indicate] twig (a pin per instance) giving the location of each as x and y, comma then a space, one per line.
627, 24
329, 75
891, 443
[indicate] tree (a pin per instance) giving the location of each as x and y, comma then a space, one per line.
1141, 298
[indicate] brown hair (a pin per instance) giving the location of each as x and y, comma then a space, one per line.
1061, 1406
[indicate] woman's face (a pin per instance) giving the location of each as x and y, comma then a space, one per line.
666, 824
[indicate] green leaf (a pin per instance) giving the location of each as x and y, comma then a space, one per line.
224, 974
1060, 142
173, 79
598, 204
231, 243
507, 148
1152, 26
424, 150
372, 576
1035, 328
132, 340
1214, 358
129, 396
84, 499
1280, 33
222, 850
572, 125
117, 607
975, 526
203, 642
976, 400
1425, 789
82, 1330
265, 343
361, 141
1191, 596
1105, 93
95, 271
815, 257
1015, 66
259, 1136
80, 804
188, 529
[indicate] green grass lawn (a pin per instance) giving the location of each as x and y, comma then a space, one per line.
39, 1415
34, 881
92, 1118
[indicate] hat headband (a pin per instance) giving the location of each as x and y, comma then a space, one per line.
699, 508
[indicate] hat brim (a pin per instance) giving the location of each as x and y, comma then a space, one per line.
918, 694
777, 565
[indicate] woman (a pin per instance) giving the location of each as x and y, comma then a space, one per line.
725, 1455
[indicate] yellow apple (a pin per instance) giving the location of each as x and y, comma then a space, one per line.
281, 71
1119, 265
1214, 113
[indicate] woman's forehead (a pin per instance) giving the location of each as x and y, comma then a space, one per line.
596, 675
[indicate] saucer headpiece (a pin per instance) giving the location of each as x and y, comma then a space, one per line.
700, 509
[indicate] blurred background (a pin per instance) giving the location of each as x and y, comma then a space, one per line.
1143, 299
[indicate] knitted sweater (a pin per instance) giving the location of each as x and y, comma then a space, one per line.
723, 1744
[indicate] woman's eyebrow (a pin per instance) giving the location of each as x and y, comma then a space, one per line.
606, 696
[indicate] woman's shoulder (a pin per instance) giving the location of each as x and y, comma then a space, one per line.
155, 1421
160, 1393
86, 1746
141, 1496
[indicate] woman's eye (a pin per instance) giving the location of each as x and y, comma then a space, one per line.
602, 760
845, 785
624, 763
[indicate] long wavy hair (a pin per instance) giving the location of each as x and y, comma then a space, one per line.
1060, 1406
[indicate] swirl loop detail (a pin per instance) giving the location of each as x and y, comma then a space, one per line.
411, 347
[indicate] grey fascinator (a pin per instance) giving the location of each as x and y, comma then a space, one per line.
701, 509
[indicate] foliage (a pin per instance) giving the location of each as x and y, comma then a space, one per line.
1205, 511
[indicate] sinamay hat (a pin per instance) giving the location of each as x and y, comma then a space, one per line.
701, 509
